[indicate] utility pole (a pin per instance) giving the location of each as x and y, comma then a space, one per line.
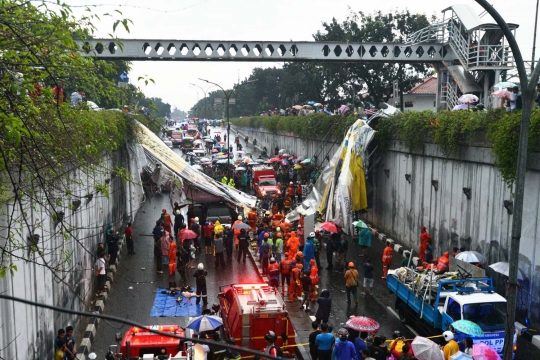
205, 96
527, 93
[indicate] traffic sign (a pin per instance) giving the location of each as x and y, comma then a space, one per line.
217, 101
232, 101
123, 85
123, 77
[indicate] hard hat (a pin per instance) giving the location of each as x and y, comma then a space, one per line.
177, 212
278, 229
312, 261
343, 334
396, 334
207, 223
299, 253
196, 219
291, 183
312, 234
279, 235
270, 336
272, 259
164, 211
351, 264
266, 235
200, 266
299, 226
239, 217
448, 335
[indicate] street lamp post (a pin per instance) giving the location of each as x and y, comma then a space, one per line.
527, 94
205, 96
227, 97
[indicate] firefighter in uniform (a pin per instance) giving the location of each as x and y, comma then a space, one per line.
291, 190
236, 230
293, 243
314, 275
273, 273
167, 220
387, 258
286, 267
252, 218
299, 192
296, 287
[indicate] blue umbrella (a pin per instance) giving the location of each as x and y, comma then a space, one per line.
204, 323
328, 112
311, 102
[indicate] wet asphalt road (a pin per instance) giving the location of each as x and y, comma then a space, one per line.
139, 272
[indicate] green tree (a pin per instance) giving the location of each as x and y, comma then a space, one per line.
344, 82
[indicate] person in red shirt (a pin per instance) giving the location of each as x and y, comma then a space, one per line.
128, 232
424, 238
387, 258
208, 233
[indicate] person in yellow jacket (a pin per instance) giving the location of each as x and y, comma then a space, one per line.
231, 183
218, 228
224, 180
451, 346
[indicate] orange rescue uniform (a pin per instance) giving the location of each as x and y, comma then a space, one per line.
387, 260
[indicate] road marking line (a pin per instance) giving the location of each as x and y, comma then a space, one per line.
397, 316
412, 330
393, 311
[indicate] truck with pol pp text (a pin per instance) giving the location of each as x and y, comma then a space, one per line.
264, 181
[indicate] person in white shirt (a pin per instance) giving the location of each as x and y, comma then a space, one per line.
101, 273
77, 97
200, 351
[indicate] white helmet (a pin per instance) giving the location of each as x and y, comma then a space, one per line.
448, 335
291, 183
312, 234
200, 266
196, 219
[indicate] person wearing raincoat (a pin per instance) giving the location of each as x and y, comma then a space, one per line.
244, 181
224, 180
218, 227
231, 183
168, 221
293, 243
252, 218
172, 257
314, 276
309, 252
364, 240
237, 231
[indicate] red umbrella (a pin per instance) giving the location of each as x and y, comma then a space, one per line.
330, 227
188, 234
215, 151
276, 159
362, 323
222, 142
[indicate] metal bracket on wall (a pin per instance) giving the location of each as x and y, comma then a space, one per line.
435, 184
408, 178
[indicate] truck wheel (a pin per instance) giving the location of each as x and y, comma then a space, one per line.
402, 312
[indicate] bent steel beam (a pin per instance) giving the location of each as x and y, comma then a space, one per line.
278, 51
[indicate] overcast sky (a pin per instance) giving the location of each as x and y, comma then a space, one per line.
255, 20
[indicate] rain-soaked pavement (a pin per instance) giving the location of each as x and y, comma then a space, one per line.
136, 281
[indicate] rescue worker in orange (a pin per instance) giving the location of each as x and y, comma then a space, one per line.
252, 217
293, 243
443, 262
314, 275
275, 208
237, 231
286, 267
168, 221
424, 238
299, 192
276, 220
273, 273
387, 258
295, 289
287, 204
291, 190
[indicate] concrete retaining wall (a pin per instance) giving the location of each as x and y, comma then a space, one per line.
480, 223
28, 332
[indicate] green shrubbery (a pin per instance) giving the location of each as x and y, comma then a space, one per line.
450, 130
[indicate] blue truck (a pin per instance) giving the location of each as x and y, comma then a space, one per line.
434, 304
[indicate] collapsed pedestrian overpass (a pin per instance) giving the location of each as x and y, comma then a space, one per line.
469, 53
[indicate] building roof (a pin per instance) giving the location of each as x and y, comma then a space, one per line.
428, 86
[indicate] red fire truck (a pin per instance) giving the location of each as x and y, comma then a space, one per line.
249, 311
138, 342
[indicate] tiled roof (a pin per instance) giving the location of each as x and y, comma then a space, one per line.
427, 87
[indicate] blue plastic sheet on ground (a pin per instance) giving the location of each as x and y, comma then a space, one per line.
167, 305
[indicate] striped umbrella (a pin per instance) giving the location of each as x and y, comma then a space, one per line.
362, 323
204, 323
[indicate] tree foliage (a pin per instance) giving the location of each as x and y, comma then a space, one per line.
42, 140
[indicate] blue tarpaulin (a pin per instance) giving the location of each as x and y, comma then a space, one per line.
167, 305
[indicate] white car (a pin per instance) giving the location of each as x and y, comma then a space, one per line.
168, 143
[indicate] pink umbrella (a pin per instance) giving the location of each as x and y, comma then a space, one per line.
484, 352
276, 159
188, 234
284, 162
330, 227
502, 93
343, 108
362, 323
